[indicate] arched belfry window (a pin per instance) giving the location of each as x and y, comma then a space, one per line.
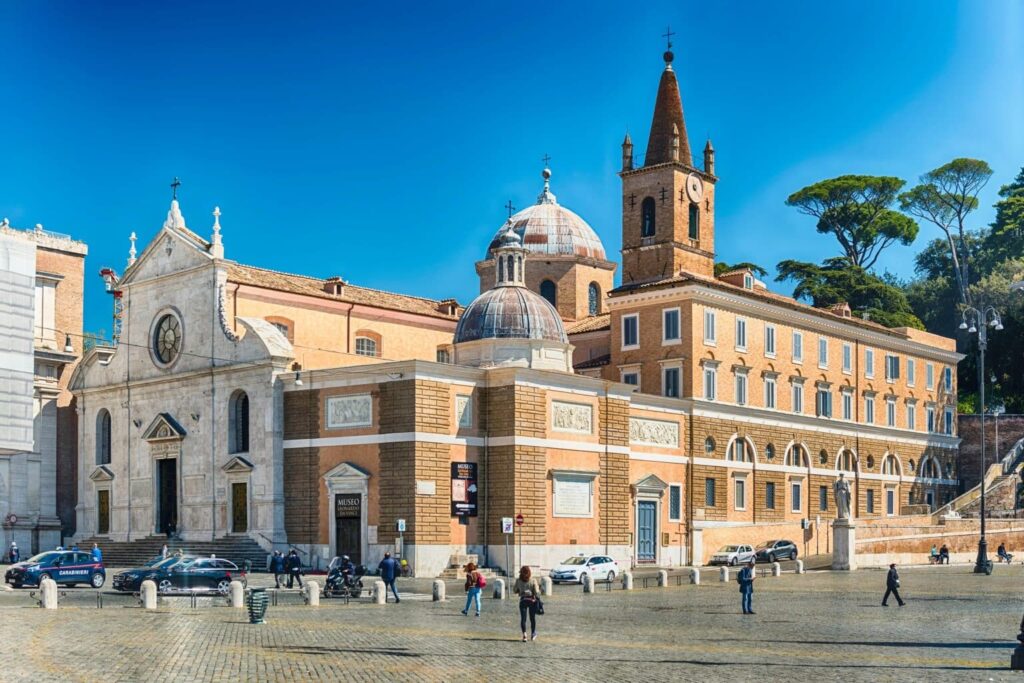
549, 291
647, 217
511, 266
694, 221
593, 299
103, 437
238, 423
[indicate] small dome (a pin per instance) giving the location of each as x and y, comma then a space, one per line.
510, 313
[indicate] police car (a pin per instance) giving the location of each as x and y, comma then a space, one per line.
68, 567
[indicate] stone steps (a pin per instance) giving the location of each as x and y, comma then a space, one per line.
237, 549
457, 563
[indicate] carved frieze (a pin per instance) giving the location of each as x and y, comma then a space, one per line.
654, 432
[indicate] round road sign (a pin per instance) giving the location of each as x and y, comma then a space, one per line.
519, 519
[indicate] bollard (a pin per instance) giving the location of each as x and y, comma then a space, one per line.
237, 591
662, 578
695, 576
379, 592
723, 574
312, 593
545, 585
49, 590
499, 589
438, 592
627, 581
588, 584
148, 594
799, 566
776, 569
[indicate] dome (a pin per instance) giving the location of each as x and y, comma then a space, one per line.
510, 313
549, 228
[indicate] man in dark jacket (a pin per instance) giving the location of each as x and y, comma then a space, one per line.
294, 568
892, 585
277, 566
389, 569
746, 581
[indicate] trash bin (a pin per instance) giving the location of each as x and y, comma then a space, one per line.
258, 600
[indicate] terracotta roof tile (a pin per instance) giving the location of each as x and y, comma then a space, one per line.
598, 362
591, 323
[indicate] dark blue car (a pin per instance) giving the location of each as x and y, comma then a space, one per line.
68, 567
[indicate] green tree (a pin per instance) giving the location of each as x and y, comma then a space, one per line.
945, 197
90, 340
1006, 239
722, 267
855, 209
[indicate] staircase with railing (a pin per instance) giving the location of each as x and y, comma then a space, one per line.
997, 475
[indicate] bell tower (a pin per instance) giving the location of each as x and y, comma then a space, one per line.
668, 204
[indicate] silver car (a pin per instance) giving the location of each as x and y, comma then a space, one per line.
733, 555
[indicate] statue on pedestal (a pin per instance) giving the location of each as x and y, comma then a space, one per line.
841, 489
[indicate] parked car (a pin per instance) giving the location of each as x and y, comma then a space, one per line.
770, 551
733, 555
200, 574
575, 569
131, 580
69, 567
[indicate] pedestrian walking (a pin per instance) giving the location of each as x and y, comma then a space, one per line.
389, 569
475, 584
277, 566
97, 554
294, 568
15, 553
529, 601
892, 585
746, 580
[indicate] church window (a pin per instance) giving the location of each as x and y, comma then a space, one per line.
366, 347
103, 437
238, 423
511, 268
501, 270
647, 217
167, 339
548, 291
594, 299
694, 222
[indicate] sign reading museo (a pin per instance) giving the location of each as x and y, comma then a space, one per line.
464, 489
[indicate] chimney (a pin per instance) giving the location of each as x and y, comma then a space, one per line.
335, 285
448, 306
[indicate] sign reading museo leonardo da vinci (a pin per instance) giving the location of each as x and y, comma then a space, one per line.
464, 489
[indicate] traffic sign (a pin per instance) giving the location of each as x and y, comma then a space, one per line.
506, 525
401, 526
520, 519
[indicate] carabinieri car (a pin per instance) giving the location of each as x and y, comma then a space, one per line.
68, 567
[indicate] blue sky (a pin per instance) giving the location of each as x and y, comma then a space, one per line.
380, 142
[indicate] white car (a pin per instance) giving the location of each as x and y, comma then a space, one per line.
573, 570
733, 555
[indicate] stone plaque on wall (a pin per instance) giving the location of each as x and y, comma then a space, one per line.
463, 411
572, 496
577, 418
349, 411
654, 432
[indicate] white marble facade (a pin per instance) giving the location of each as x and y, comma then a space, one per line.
169, 390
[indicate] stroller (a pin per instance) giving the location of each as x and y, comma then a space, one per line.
340, 585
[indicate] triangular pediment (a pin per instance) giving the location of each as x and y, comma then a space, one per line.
102, 473
237, 465
347, 470
164, 428
650, 484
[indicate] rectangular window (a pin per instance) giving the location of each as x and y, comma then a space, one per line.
822, 352
947, 426
929, 376
769, 392
630, 331
911, 416
947, 377
796, 496
847, 358
709, 327
929, 416
890, 412
741, 334
847, 405
443, 356
769, 495
871, 501
710, 383
892, 368
798, 398
741, 388
869, 410
869, 363
741, 494
823, 498
670, 325
798, 347
675, 502
769, 341
890, 502
670, 382
823, 403
911, 374
631, 378
709, 492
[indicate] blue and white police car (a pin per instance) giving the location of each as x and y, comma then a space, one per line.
68, 567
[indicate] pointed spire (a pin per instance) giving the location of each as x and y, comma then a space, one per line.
627, 153
131, 250
668, 112
216, 246
709, 158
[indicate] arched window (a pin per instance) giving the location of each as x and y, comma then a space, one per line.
796, 456
929, 470
366, 347
548, 291
238, 423
694, 222
847, 462
103, 437
511, 268
890, 465
594, 299
740, 451
822, 457
709, 445
647, 217
501, 270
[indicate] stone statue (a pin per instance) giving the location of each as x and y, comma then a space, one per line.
841, 488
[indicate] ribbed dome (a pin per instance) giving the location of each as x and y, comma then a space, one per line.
510, 313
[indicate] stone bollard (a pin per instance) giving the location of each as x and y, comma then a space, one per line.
148, 593
662, 578
588, 584
438, 591
776, 569
799, 566
499, 589
237, 591
627, 581
695, 576
545, 585
723, 574
379, 592
312, 593
49, 590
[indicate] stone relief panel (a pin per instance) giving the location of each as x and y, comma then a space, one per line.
349, 411
577, 418
654, 432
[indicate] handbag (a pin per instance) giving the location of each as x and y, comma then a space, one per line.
540, 606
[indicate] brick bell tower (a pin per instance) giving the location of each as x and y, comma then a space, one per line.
668, 204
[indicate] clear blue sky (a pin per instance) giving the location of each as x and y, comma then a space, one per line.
379, 142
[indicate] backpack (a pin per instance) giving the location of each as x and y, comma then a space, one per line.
481, 582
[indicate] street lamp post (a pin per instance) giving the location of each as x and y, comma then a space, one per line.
974, 320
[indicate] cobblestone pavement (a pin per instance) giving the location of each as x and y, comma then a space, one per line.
820, 626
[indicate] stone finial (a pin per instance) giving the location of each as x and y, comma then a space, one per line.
546, 196
216, 245
131, 249
174, 218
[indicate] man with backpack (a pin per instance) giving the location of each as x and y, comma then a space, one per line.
475, 584
746, 580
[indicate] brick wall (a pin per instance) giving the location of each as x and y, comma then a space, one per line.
615, 508
302, 494
1011, 430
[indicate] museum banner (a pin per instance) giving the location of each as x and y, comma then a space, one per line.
464, 489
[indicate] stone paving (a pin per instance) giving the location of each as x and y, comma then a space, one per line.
820, 626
